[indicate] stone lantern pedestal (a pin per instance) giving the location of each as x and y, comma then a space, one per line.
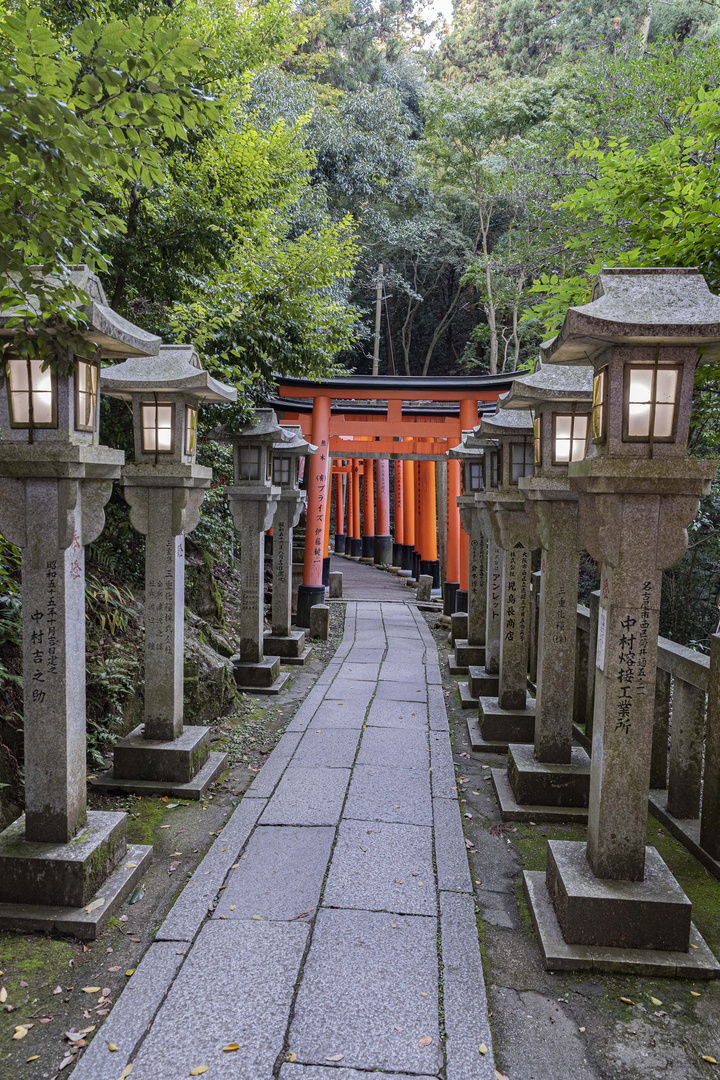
253, 500
613, 904
63, 869
164, 489
284, 640
551, 781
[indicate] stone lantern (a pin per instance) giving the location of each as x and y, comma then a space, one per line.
613, 901
471, 651
164, 489
62, 867
553, 774
282, 640
253, 501
509, 716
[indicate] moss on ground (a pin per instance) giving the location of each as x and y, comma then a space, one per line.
144, 818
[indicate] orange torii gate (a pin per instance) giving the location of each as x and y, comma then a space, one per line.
358, 419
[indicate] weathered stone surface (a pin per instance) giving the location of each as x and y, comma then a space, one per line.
401, 691
319, 622
405, 714
209, 684
294, 1071
392, 873
255, 1006
331, 749
363, 672
133, 1011
290, 646
405, 748
482, 684
424, 588
338, 714
66, 875
442, 770
267, 779
542, 784
260, 675
649, 914
347, 1003
336, 584
389, 794
507, 725
360, 654
346, 689
467, 1024
280, 874
458, 625
467, 654
307, 796
453, 872
176, 759
515, 637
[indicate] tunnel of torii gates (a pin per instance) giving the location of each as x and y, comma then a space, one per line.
362, 423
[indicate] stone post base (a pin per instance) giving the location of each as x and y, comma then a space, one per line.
424, 588
532, 790
458, 625
182, 767
461, 600
308, 596
326, 571
336, 584
339, 543
559, 955
355, 547
261, 678
368, 547
479, 685
397, 555
467, 655
49, 887
503, 726
289, 647
431, 567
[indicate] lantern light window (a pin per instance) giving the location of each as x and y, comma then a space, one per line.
570, 437
86, 389
475, 476
282, 470
249, 462
650, 401
537, 440
191, 418
33, 394
157, 427
521, 460
598, 405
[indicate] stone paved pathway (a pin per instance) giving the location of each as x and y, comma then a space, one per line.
361, 582
344, 938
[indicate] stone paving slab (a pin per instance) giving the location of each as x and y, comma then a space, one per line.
236, 986
388, 794
134, 1010
453, 872
266, 780
338, 714
355, 669
444, 781
402, 691
330, 748
361, 993
413, 675
191, 907
307, 796
344, 689
322, 1072
362, 655
396, 714
308, 709
464, 998
382, 867
403, 747
280, 874
437, 710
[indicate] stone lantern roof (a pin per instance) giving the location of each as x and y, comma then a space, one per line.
640, 306
298, 445
114, 336
504, 422
175, 368
554, 383
469, 448
265, 429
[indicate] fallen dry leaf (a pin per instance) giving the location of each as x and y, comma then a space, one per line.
20, 1033
115, 967
627, 1001
3, 995
711, 1060
695, 993
125, 1073
199, 1070
230, 1047
57, 990
233, 906
291, 1056
499, 1076
483, 1049
425, 1041
334, 1057
129, 972
655, 1001
112, 1046
91, 989
35, 1057
94, 905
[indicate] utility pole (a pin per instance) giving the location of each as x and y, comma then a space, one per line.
378, 306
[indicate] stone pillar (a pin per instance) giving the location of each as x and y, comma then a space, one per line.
53, 576
252, 516
471, 652
493, 610
515, 637
282, 640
